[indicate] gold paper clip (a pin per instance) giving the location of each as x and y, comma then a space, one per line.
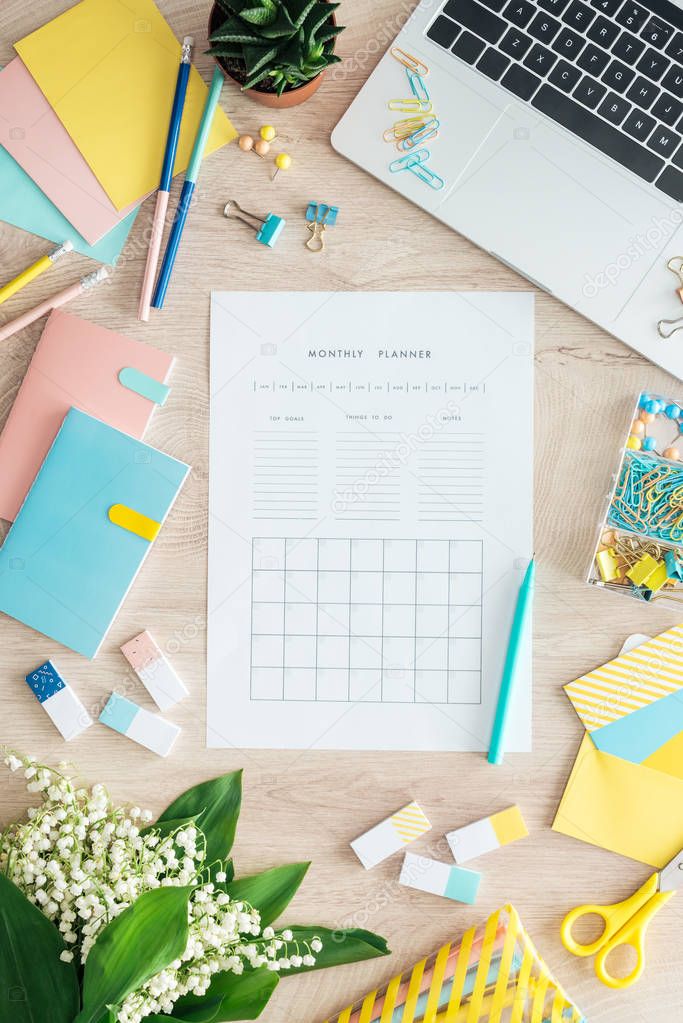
402, 129
411, 105
412, 63
675, 264
428, 130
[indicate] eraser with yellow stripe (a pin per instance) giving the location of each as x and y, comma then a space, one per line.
390, 835
485, 835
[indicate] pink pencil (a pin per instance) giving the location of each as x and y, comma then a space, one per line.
61, 298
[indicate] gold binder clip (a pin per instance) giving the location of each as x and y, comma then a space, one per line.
666, 328
675, 264
319, 215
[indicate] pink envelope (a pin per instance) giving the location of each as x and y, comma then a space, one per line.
75, 364
36, 138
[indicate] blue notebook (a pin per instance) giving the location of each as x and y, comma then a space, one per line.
66, 566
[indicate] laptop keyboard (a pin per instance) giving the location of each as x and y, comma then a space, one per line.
609, 71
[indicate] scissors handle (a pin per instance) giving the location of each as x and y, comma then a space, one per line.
625, 923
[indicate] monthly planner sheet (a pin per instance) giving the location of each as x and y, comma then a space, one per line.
370, 517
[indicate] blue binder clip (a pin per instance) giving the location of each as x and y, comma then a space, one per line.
267, 231
319, 216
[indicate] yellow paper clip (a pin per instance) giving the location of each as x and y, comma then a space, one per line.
429, 130
405, 127
408, 61
410, 105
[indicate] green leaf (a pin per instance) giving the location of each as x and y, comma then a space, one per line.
229, 997
34, 983
342, 946
281, 25
298, 9
271, 891
232, 6
216, 804
256, 78
255, 57
316, 18
326, 34
226, 50
135, 945
234, 31
259, 15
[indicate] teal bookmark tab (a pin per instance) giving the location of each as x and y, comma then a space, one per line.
141, 383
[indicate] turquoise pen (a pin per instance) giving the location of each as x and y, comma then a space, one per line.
520, 624
191, 176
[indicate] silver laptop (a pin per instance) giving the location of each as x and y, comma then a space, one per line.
559, 151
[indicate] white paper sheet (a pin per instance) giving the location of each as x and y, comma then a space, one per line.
370, 517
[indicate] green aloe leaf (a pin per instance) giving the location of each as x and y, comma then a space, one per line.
262, 15
271, 891
256, 78
255, 57
229, 997
232, 6
216, 804
316, 18
34, 983
225, 50
298, 9
234, 31
342, 946
135, 945
281, 25
325, 34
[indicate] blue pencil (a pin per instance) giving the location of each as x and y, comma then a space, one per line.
520, 624
166, 178
188, 188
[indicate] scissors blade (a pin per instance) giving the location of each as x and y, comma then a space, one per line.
671, 876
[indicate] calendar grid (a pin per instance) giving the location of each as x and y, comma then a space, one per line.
377, 621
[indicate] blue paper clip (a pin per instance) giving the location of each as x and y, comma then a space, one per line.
321, 213
409, 161
417, 86
424, 173
427, 131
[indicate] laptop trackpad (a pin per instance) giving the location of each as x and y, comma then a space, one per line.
563, 215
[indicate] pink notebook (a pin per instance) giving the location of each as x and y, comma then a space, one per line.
75, 364
31, 131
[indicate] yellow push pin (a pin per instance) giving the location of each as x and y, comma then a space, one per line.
282, 163
267, 132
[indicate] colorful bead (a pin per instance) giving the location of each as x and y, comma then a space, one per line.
672, 453
634, 443
638, 427
261, 147
246, 143
649, 443
283, 161
653, 405
646, 417
672, 411
267, 132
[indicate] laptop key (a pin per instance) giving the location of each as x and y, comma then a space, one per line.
593, 60
492, 64
671, 183
568, 44
632, 16
468, 47
495, 5
539, 59
678, 157
593, 130
673, 80
675, 47
564, 76
643, 93
443, 31
544, 28
657, 33
553, 6
578, 15
614, 108
520, 81
639, 125
515, 43
618, 76
653, 64
628, 48
668, 109
603, 31
475, 17
608, 7
519, 12
589, 92
664, 141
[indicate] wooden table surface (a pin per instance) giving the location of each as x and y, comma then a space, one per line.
308, 805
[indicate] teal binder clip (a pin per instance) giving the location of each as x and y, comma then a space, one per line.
319, 216
267, 231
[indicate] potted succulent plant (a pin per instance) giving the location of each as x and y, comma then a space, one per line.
277, 50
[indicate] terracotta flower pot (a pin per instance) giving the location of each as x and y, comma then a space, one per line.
289, 98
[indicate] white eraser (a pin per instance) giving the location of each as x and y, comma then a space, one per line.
56, 696
438, 878
486, 835
391, 835
154, 671
149, 730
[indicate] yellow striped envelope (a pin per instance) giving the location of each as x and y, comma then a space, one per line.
492, 973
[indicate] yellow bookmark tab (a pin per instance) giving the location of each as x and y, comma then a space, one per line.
134, 522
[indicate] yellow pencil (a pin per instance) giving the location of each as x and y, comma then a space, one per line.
33, 271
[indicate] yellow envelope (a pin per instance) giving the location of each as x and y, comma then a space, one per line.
108, 68
627, 808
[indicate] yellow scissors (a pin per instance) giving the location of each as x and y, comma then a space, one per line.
625, 923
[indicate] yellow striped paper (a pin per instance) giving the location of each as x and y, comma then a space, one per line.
409, 823
629, 682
